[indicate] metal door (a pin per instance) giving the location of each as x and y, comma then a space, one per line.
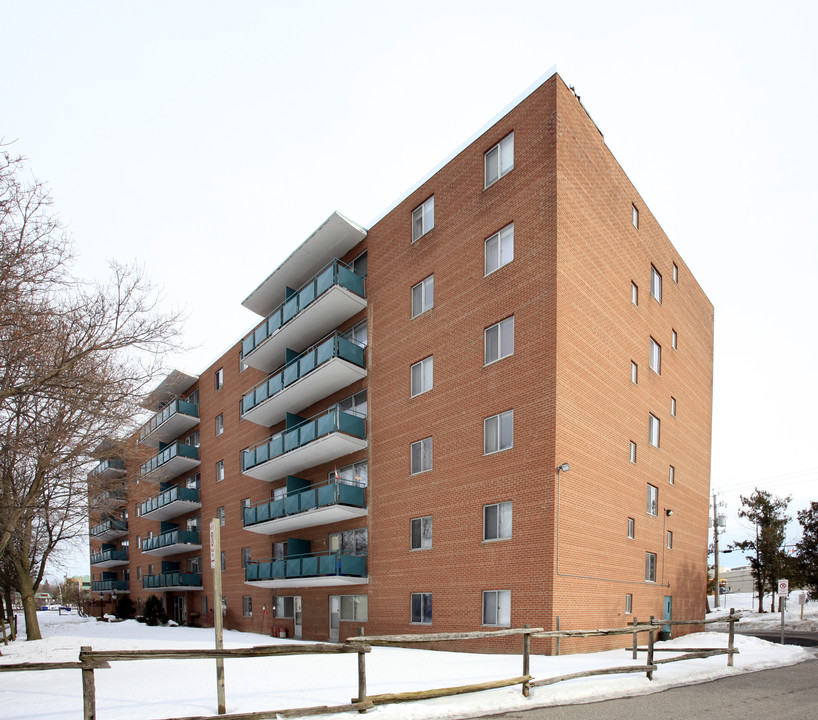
668, 614
297, 617
334, 616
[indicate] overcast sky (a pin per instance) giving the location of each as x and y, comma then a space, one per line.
206, 140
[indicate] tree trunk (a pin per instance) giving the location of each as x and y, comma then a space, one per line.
10, 613
26, 586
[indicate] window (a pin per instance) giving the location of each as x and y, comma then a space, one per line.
422, 533
631, 528
204, 605
354, 608
650, 567
671, 477
635, 216
655, 357
634, 294
193, 523
219, 378
422, 608
675, 273
423, 296
633, 452
421, 456
350, 542
355, 404
674, 339
653, 500
243, 505
499, 249
284, 606
655, 283
224, 560
247, 606
359, 264
279, 550
497, 521
245, 557
628, 603
653, 430
499, 340
423, 218
220, 515
634, 373
219, 424
497, 607
138, 573
356, 473
357, 333
673, 406
498, 432
150, 569
192, 439
500, 159
422, 376
669, 540
194, 482
194, 564
220, 471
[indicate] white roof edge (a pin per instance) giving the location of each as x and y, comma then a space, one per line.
347, 233
460, 148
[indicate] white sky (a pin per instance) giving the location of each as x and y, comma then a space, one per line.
206, 140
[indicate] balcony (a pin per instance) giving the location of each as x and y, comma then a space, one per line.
109, 529
330, 297
108, 586
170, 463
324, 437
109, 500
326, 367
169, 423
107, 469
309, 570
330, 502
171, 503
173, 581
109, 558
172, 543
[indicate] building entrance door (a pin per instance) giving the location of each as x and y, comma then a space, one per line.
668, 616
334, 617
297, 617
180, 609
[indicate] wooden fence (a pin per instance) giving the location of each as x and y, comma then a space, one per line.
91, 660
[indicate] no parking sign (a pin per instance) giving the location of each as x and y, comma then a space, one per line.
783, 588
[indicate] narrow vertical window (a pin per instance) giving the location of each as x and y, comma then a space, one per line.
221, 515
674, 339
220, 471
671, 476
655, 357
673, 406
423, 218
635, 294
247, 606
499, 340
628, 603
499, 249
653, 500
219, 424
634, 373
219, 378
653, 429
500, 159
635, 216
650, 567
633, 452
655, 283
669, 540
675, 273
423, 296
631, 528
422, 376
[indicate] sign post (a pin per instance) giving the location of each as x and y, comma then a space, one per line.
216, 566
783, 591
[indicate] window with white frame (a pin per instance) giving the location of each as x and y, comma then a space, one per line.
499, 340
497, 521
357, 473
669, 540
422, 376
671, 476
194, 564
220, 471
356, 404
633, 452
653, 500
354, 608
247, 606
674, 339
421, 456
653, 429
220, 514
219, 379
194, 481
673, 406
422, 533
650, 567
655, 357
422, 608
631, 528
423, 296
500, 159
423, 218
245, 557
497, 608
284, 607
634, 373
628, 603
350, 542
655, 283
675, 273
219, 424
357, 333
634, 294
635, 216
499, 249
498, 432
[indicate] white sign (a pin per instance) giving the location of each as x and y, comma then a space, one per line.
212, 545
783, 588
800, 597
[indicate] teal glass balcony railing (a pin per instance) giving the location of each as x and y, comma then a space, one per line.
172, 579
167, 412
327, 564
331, 493
322, 352
168, 454
169, 496
109, 586
112, 466
109, 526
174, 537
106, 556
335, 273
332, 420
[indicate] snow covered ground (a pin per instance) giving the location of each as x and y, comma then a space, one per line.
173, 688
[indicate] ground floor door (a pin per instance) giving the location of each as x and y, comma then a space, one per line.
180, 609
297, 617
334, 617
668, 613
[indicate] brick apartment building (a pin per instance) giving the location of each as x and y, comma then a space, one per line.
491, 408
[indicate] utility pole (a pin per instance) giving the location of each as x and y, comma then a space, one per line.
716, 600
216, 565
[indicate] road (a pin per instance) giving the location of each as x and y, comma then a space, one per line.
790, 692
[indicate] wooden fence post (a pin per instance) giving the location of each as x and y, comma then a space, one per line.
557, 640
89, 701
361, 674
635, 637
731, 636
650, 650
526, 661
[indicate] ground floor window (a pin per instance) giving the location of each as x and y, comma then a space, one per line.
422, 608
284, 607
497, 607
354, 607
247, 606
